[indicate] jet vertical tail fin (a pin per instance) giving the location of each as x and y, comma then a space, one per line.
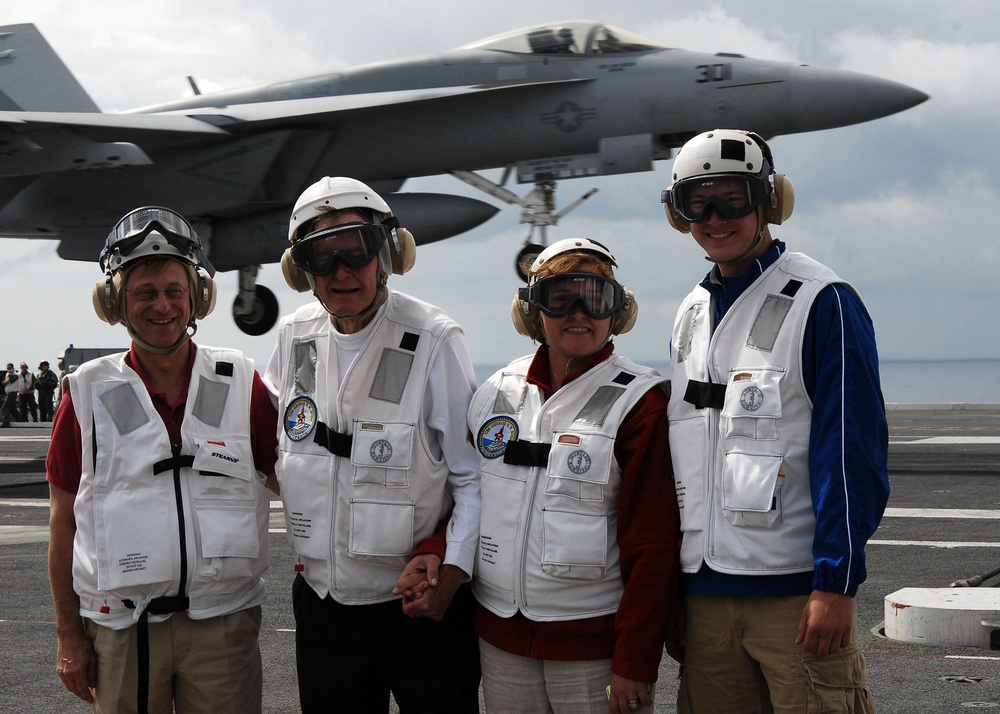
33, 78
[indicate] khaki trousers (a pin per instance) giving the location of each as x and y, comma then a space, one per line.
740, 656
523, 685
202, 666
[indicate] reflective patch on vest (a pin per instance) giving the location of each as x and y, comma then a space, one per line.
300, 418
124, 408
595, 411
510, 395
390, 378
493, 436
210, 404
764, 332
304, 367
685, 334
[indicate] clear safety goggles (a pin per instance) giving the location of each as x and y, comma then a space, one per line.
354, 244
729, 196
132, 230
558, 295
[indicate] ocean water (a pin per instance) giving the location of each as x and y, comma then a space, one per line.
973, 381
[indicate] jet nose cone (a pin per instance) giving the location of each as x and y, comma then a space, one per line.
822, 98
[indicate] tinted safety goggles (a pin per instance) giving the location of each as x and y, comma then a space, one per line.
559, 295
353, 244
132, 230
729, 196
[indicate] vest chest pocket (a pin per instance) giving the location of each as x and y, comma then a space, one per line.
579, 466
751, 489
228, 533
381, 452
753, 404
223, 468
574, 545
381, 532
138, 547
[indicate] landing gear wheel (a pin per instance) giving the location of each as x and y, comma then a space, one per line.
525, 257
263, 313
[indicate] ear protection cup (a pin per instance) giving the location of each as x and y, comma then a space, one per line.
106, 299
782, 199
402, 251
203, 301
294, 275
623, 320
528, 320
676, 220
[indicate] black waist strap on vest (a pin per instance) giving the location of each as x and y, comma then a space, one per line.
333, 441
705, 394
164, 605
180, 461
526, 453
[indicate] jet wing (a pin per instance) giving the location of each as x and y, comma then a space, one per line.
47, 142
310, 112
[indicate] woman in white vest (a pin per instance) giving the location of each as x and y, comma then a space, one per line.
159, 514
375, 468
576, 569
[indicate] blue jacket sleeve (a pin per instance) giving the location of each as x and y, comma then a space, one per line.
848, 449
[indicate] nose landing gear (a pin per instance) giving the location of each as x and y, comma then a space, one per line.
255, 309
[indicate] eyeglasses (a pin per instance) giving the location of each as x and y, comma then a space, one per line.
149, 294
730, 196
558, 295
354, 244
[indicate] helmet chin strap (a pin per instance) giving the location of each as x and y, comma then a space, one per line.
381, 295
761, 231
182, 340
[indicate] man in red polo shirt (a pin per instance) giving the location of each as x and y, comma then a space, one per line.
159, 512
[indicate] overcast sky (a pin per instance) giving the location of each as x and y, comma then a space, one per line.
902, 207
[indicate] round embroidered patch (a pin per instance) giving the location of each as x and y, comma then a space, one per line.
380, 451
578, 462
300, 418
751, 399
494, 435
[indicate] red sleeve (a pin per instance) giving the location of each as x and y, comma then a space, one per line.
648, 539
63, 463
437, 542
263, 427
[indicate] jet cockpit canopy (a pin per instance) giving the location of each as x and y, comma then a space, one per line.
579, 37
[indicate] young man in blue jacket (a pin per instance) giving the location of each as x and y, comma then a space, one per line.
779, 441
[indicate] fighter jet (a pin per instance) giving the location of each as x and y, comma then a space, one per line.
544, 104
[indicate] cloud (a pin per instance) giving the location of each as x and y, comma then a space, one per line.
717, 30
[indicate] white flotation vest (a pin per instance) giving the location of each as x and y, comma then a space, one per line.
550, 486
152, 523
740, 420
360, 485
